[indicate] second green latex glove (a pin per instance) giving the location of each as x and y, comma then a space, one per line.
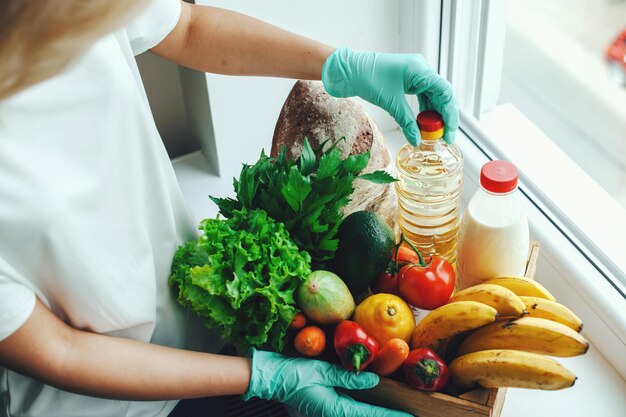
385, 79
308, 386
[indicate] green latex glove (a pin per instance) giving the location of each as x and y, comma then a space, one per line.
384, 79
307, 385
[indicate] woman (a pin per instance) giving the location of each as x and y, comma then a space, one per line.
91, 213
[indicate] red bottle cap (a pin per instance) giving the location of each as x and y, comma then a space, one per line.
498, 177
429, 121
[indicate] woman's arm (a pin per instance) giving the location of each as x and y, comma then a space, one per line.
104, 366
110, 367
224, 42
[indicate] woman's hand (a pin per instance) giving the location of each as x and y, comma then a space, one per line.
384, 79
308, 386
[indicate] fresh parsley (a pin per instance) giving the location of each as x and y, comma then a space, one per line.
306, 194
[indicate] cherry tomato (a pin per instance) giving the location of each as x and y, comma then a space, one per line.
298, 321
426, 285
387, 281
406, 254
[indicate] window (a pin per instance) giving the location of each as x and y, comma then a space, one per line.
534, 80
535, 87
555, 72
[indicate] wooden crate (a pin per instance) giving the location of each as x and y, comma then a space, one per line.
479, 402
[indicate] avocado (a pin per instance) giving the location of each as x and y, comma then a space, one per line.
365, 248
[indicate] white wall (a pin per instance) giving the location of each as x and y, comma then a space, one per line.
167, 102
245, 109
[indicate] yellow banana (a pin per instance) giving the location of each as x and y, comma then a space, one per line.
509, 368
551, 310
451, 319
522, 286
502, 299
529, 334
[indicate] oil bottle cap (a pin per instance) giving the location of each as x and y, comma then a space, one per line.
430, 124
498, 177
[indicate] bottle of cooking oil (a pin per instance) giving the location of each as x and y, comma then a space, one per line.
429, 189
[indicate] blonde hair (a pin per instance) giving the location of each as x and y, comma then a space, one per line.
39, 38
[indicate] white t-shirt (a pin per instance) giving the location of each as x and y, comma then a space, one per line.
91, 214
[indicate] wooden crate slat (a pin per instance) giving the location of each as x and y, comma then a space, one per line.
399, 396
496, 401
479, 396
531, 266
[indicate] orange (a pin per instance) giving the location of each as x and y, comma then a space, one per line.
385, 316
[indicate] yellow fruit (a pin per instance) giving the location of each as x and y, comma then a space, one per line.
522, 286
551, 310
509, 368
449, 320
385, 316
529, 334
502, 299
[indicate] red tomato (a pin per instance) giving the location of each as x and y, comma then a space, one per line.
428, 285
387, 281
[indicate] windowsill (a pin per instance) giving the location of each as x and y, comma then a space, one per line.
599, 389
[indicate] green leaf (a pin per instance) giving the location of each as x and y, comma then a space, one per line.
335, 144
329, 164
209, 279
272, 206
378, 177
216, 308
198, 256
281, 161
307, 158
226, 205
356, 163
247, 186
296, 189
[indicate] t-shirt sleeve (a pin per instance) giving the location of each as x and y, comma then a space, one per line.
153, 24
16, 305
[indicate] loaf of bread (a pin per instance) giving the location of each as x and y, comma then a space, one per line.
311, 112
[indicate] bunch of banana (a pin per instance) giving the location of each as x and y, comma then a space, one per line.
467, 310
511, 353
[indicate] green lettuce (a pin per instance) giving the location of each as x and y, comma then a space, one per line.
240, 275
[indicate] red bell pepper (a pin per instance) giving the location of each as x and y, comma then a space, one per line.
355, 348
425, 370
